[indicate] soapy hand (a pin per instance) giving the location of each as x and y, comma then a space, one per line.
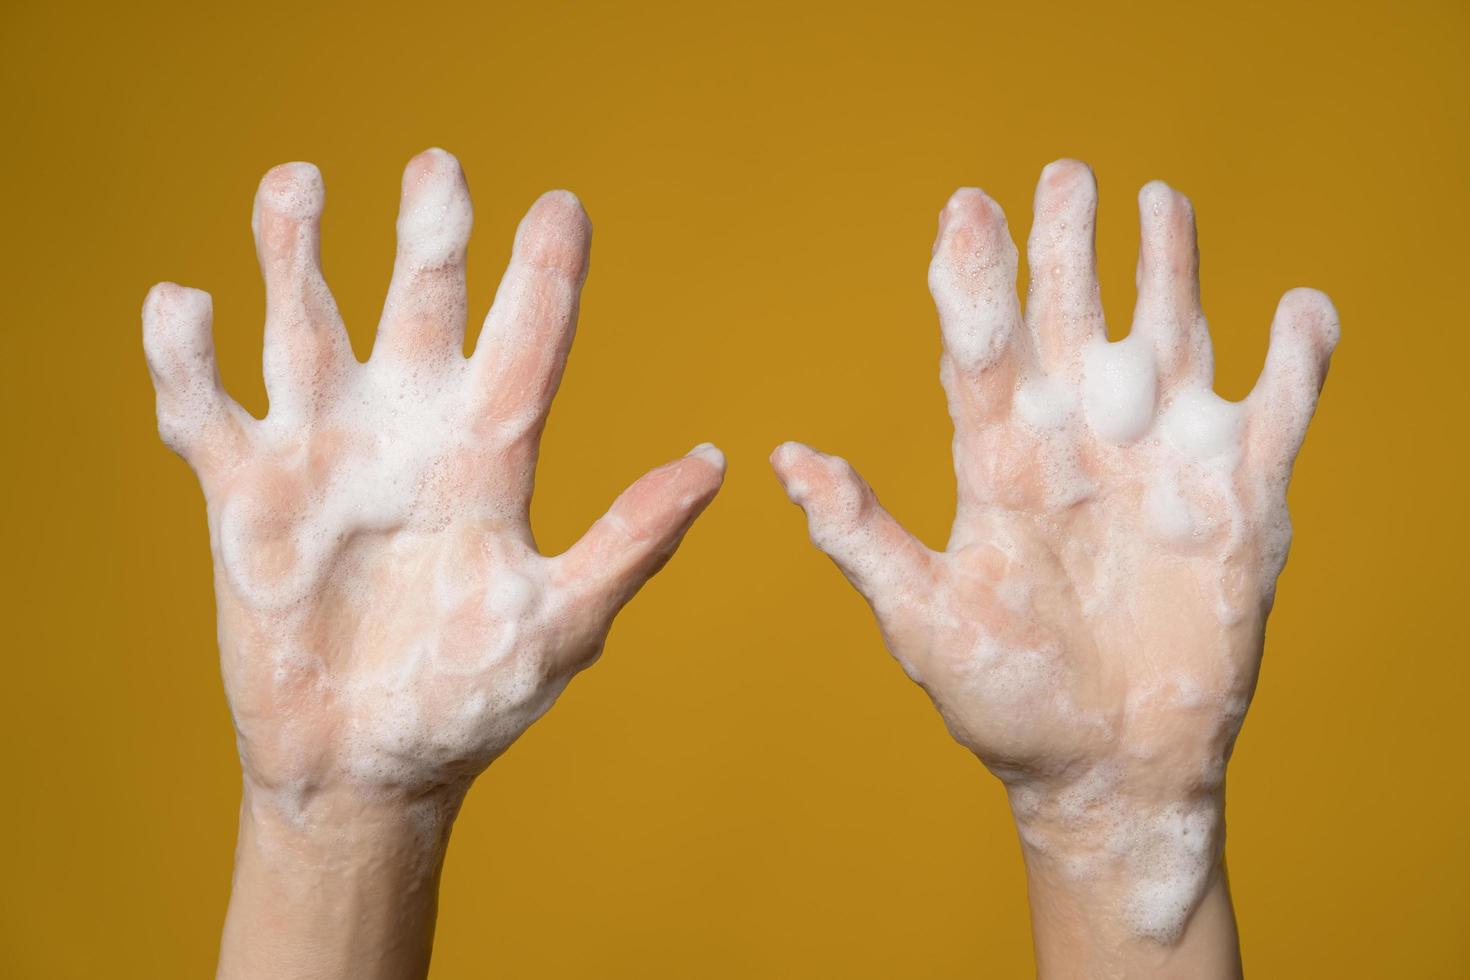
386, 623
1094, 629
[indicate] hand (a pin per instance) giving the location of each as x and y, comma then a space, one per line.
1094, 629
387, 626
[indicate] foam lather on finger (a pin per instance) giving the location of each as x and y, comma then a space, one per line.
179, 346
846, 521
292, 189
306, 351
436, 215
424, 314
176, 336
286, 223
1304, 334
1168, 310
522, 350
972, 276
1064, 307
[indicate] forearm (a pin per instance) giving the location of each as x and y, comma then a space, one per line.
339, 884
1123, 889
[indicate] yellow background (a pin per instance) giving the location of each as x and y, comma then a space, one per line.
746, 785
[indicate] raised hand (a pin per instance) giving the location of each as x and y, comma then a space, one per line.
1094, 628
387, 626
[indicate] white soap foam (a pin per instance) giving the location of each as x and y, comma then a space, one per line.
1205, 426
1119, 388
1161, 856
1045, 403
1171, 855
434, 223
1047, 409
1168, 512
974, 290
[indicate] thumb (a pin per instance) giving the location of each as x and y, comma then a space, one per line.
196, 418
1304, 334
642, 529
873, 550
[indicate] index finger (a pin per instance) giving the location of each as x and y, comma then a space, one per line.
518, 361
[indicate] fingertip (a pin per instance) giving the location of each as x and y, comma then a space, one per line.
784, 460
433, 162
1153, 196
169, 302
562, 199
709, 453
784, 452
786, 457
555, 234
1064, 168
433, 180
668, 498
844, 518
561, 207
1310, 313
294, 190
1065, 208
702, 474
176, 328
970, 206
818, 482
969, 202
1157, 201
1064, 176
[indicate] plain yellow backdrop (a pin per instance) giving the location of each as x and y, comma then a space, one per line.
746, 785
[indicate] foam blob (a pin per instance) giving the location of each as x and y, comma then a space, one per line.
972, 276
1204, 426
1119, 389
1170, 853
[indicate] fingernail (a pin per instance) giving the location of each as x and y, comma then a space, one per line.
709, 452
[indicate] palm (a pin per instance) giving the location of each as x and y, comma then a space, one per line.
385, 617
1101, 604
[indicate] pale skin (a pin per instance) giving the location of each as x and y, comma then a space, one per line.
1094, 629
387, 626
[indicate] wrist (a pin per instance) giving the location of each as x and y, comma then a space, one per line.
326, 822
1126, 879
1140, 858
335, 882
1147, 855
